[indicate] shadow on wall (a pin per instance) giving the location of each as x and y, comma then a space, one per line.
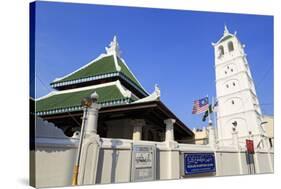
114, 161
157, 164
51, 149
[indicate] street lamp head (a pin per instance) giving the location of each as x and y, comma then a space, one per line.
94, 96
86, 102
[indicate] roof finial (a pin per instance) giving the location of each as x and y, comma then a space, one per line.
157, 90
115, 39
225, 30
113, 47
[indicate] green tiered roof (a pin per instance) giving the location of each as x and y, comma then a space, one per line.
111, 79
127, 72
106, 66
102, 68
70, 100
106, 75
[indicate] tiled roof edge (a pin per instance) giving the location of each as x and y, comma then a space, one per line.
79, 108
86, 65
85, 79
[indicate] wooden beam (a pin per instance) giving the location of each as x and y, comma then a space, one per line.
128, 107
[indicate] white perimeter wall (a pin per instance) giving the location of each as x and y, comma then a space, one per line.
54, 162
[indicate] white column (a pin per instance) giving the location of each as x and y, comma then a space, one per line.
270, 160
91, 123
171, 154
211, 135
169, 136
235, 139
268, 150
90, 146
137, 132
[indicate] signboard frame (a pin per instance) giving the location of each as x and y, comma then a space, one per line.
143, 158
211, 169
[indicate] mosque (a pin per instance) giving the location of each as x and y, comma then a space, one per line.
131, 135
128, 111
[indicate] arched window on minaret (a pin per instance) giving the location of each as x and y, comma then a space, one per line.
221, 50
230, 46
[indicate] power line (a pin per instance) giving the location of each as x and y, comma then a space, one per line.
43, 84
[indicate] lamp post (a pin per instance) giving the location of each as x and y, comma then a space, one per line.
86, 103
263, 135
262, 123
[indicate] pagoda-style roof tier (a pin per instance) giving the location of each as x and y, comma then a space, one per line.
56, 102
106, 68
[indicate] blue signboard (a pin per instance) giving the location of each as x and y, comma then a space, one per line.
195, 163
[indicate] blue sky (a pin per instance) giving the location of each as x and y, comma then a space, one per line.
169, 47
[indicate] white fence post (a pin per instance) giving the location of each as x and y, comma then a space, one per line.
169, 135
211, 135
235, 139
268, 150
237, 146
91, 145
172, 151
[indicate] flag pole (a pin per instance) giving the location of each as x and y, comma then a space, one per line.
215, 117
209, 113
214, 112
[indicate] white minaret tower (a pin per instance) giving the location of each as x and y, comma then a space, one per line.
238, 105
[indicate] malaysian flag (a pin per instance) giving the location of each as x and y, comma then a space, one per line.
200, 105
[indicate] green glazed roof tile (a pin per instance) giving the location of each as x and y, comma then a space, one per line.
127, 72
104, 65
73, 99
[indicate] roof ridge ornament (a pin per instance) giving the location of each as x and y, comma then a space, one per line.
113, 47
155, 96
226, 32
157, 91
